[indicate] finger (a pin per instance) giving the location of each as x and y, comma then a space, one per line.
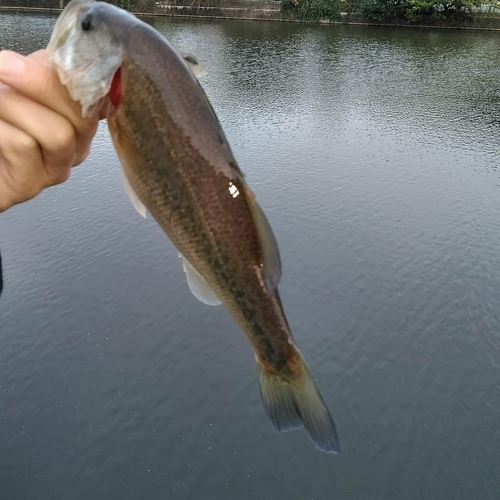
21, 177
53, 132
40, 55
21, 163
32, 77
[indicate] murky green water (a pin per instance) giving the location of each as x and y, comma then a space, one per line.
374, 153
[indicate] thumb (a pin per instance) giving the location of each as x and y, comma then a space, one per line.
33, 77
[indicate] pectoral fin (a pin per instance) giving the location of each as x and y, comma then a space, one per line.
270, 256
198, 285
194, 65
136, 202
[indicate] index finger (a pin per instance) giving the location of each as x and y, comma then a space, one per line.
33, 77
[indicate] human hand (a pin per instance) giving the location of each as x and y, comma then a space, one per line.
42, 132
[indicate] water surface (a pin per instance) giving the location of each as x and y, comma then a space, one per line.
374, 153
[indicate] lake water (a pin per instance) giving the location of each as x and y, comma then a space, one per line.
375, 154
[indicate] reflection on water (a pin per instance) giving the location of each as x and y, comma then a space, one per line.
374, 153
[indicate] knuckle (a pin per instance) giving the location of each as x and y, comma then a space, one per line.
21, 146
63, 138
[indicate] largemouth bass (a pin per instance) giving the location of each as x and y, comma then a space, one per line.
178, 166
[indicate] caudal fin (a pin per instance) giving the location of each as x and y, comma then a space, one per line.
293, 402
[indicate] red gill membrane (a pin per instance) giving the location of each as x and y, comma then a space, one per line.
115, 92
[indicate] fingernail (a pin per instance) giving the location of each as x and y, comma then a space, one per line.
11, 64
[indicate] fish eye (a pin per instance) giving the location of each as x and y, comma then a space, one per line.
87, 22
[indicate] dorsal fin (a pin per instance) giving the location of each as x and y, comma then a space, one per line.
194, 65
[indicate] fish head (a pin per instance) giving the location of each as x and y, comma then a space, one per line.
86, 52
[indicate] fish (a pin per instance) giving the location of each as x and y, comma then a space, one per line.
177, 166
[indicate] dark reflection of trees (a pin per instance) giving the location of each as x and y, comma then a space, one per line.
438, 83
274, 65
430, 78
420, 78
266, 59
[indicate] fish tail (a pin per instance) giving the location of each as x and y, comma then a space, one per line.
293, 400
